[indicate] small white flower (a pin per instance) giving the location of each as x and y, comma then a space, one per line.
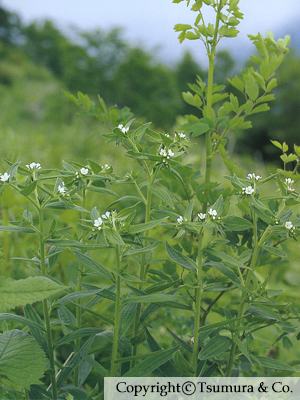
181, 135
253, 176
106, 215
180, 220
289, 181
4, 177
84, 171
34, 165
289, 225
62, 189
123, 129
213, 213
192, 340
163, 153
248, 190
167, 135
170, 153
98, 222
105, 167
201, 216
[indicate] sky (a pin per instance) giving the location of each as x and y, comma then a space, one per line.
150, 23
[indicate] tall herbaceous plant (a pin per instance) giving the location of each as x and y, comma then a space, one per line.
171, 263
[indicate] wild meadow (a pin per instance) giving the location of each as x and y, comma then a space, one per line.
138, 247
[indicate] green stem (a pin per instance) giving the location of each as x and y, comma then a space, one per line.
117, 315
142, 269
45, 308
198, 295
78, 302
5, 245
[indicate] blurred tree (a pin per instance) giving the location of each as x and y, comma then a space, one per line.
283, 121
148, 88
10, 27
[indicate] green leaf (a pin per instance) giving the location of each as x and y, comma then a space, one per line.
94, 265
85, 101
113, 237
166, 369
127, 315
163, 195
181, 259
252, 89
102, 190
21, 359
215, 347
21, 320
225, 258
57, 205
94, 364
263, 312
236, 224
262, 108
242, 348
154, 298
275, 251
274, 364
79, 333
141, 250
139, 132
145, 227
29, 189
17, 229
26, 291
151, 363
198, 129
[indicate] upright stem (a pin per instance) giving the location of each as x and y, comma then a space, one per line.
45, 308
78, 302
5, 245
209, 111
198, 295
142, 272
117, 315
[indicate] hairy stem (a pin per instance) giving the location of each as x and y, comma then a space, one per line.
117, 315
198, 295
78, 302
46, 309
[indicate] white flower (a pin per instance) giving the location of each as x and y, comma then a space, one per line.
167, 135
289, 225
106, 215
181, 135
213, 213
105, 166
62, 189
170, 153
180, 220
289, 181
123, 129
253, 176
84, 171
34, 165
192, 340
98, 222
201, 216
4, 177
163, 153
248, 190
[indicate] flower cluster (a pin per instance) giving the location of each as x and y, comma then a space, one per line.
100, 220
254, 177
201, 216
213, 213
123, 129
289, 182
62, 189
180, 220
290, 226
248, 190
5, 177
33, 166
166, 153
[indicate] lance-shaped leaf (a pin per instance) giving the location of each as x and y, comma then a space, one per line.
274, 364
21, 359
94, 265
163, 195
180, 258
151, 363
26, 291
145, 227
237, 224
215, 347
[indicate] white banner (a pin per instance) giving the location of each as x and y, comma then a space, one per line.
202, 388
